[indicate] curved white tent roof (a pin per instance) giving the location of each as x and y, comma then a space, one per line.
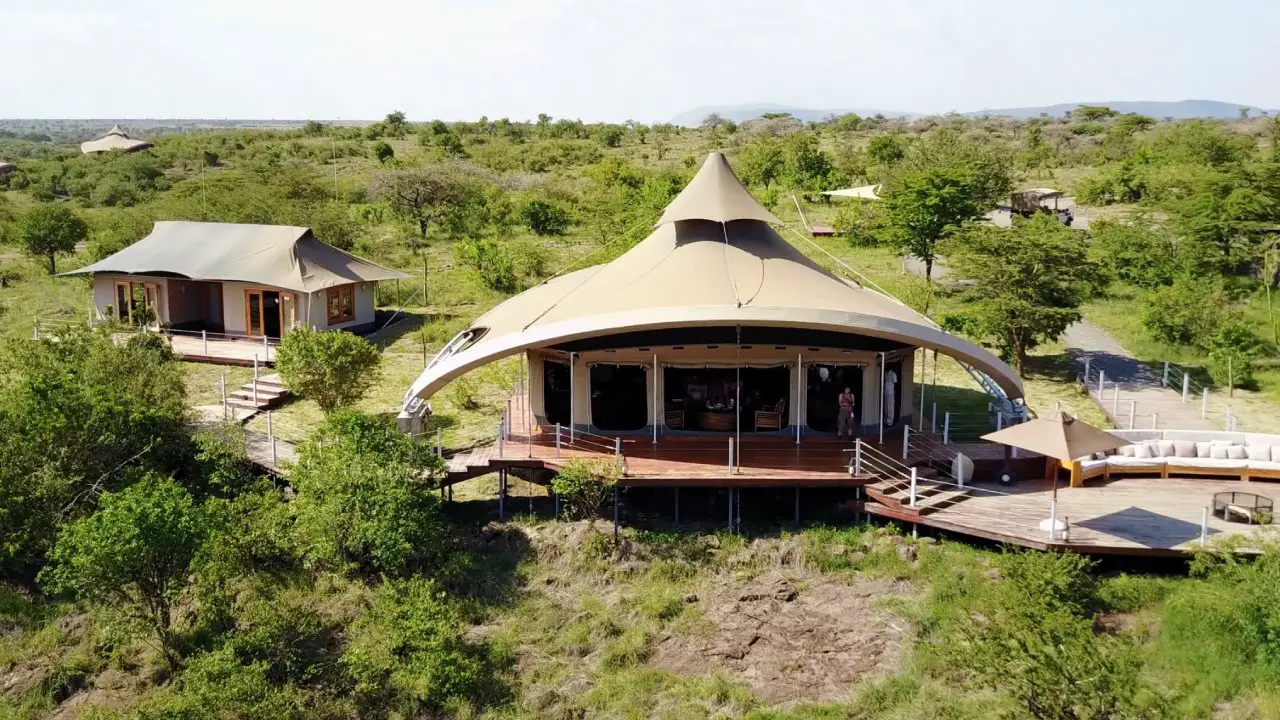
115, 139
711, 263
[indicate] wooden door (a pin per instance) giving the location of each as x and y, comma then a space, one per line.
288, 312
253, 313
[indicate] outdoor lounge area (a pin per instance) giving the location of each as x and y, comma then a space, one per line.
1166, 453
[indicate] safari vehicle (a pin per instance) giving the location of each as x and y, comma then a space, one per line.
1029, 202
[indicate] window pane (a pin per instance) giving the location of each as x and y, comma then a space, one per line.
348, 300
122, 302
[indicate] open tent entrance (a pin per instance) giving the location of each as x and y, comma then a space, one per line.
825, 383
705, 398
619, 400
555, 390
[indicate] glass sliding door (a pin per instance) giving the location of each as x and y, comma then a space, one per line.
825, 382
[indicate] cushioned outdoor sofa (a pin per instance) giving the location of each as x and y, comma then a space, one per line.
1244, 456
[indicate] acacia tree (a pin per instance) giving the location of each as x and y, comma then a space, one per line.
424, 197
50, 230
761, 161
1027, 284
924, 207
133, 556
334, 368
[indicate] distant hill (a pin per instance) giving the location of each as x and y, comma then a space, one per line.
742, 113
1180, 110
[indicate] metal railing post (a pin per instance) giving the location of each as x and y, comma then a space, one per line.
617, 451
273, 453
1102, 382
946, 428
557, 439
1115, 400
1133, 412
266, 350
1164, 379
1186, 385
906, 440
857, 457
204, 341
1053, 520
270, 433
1204, 525
960, 475
933, 418
913, 488
1087, 360
1155, 421
731, 457
999, 420
439, 442
502, 441
1204, 404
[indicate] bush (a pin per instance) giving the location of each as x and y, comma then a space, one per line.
334, 368
490, 261
366, 499
408, 657
545, 217
382, 151
862, 222
1184, 313
1232, 350
585, 486
1136, 252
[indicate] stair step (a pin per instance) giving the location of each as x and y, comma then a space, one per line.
248, 392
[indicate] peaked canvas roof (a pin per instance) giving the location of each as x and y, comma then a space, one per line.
866, 192
699, 271
715, 193
1060, 436
115, 139
277, 255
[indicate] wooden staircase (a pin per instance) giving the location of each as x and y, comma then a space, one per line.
931, 494
270, 392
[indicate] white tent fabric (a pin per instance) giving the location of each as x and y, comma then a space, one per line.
699, 273
865, 192
277, 255
115, 139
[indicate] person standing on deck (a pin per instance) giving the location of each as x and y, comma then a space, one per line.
844, 423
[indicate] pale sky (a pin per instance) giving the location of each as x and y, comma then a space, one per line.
613, 60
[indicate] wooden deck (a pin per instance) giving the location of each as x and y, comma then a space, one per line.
1131, 516
224, 350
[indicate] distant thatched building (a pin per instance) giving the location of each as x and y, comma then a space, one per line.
6, 168
115, 139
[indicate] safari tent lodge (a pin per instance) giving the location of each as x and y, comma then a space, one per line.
249, 281
713, 326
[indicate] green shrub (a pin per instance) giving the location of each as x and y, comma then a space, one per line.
545, 217
1184, 313
408, 656
1135, 251
1233, 347
584, 486
333, 368
490, 261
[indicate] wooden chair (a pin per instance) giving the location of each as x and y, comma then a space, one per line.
771, 418
674, 419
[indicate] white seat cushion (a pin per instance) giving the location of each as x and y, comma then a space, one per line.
1204, 463
1122, 461
1259, 452
1088, 465
1264, 465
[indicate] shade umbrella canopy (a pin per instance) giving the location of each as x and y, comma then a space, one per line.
115, 139
1060, 436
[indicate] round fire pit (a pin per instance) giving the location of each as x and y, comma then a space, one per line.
1243, 507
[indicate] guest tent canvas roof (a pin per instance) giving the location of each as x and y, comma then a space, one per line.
115, 139
712, 261
277, 255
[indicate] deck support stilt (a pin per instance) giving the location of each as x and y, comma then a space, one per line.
502, 495
915, 531
730, 509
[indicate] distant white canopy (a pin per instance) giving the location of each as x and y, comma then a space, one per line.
115, 139
866, 192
